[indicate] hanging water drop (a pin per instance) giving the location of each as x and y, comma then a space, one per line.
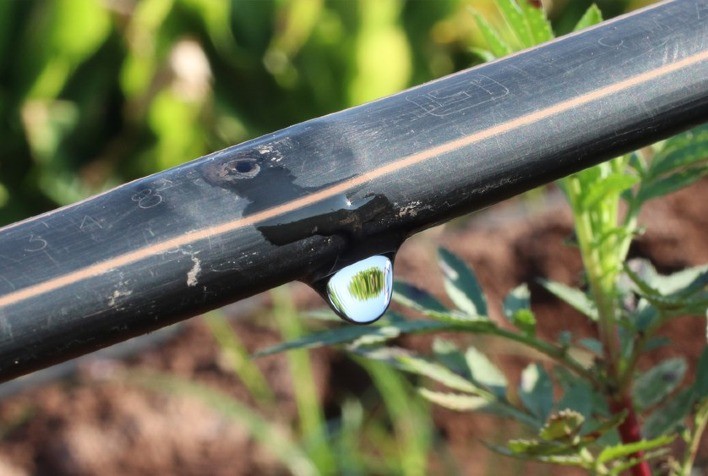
361, 292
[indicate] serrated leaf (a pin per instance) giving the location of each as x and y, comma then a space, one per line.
461, 284
539, 25
409, 362
436, 372
684, 283
592, 16
669, 184
572, 296
514, 17
517, 309
485, 373
497, 46
448, 354
536, 391
454, 401
345, 334
681, 151
416, 298
563, 425
620, 451
657, 383
667, 417
701, 381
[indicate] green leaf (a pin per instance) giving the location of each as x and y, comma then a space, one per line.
657, 383
540, 448
683, 283
682, 293
600, 429
412, 363
577, 396
606, 189
536, 391
572, 296
592, 16
563, 425
539, 25
667, 417
448, 354
454, 401
593, 345
344, 334
621, 451
436, 372
645, 315
515, 18
517, 309
683, 150
461, 284
670, 183
701, 381
416, 298
485, 373
543, 451
497, 46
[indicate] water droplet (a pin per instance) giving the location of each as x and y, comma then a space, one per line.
361, 292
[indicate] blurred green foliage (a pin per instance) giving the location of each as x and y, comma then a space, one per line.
97, 92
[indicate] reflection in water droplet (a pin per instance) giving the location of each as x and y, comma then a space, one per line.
361, 292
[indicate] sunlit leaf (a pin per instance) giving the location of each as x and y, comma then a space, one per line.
416, 298
575, 297
562, 425
497, 46
592, 16
461, 284
345, 334
484, 372
607, 188
454, 401
448, 354
539, 26
536, 390
515, 18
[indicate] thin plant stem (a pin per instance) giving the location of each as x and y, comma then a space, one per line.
699, 426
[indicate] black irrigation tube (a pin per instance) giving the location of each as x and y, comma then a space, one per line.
301, 202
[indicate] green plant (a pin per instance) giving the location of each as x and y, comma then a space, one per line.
600, 414
394, 438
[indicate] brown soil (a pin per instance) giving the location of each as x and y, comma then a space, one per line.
97, 422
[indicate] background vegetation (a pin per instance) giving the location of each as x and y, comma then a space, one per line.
97, 92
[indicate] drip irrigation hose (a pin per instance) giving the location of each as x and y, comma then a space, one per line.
305, 201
